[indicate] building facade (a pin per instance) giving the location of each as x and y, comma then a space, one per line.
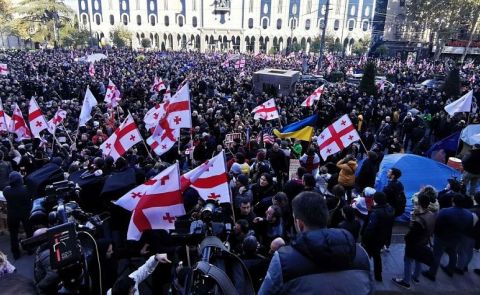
244, 25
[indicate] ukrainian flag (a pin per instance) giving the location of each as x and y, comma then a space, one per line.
302, 129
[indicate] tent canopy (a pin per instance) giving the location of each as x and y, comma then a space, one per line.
471, 134
417, 172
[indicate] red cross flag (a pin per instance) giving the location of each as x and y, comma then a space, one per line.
209, 179
315, 96
153, 116
337, 136
178, 109
164, 137
240, 64
3, 69
3, 118
159, 206
36, 119
91, 70
60, 115
19, 126
126, 136
267, 111
167, 95
130, 200
158, 85
112, 96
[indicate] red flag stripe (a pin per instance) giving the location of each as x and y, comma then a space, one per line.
266, 110
35, 114
211, 181
336, 137
150, 201
178, 106
120, 134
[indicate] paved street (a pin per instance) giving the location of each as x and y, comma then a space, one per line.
392, 266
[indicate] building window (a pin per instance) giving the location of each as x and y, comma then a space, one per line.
336, 25
250, 23
280, 6
194, 5
309, 6
365, 26
194, 21
293, 23
97, 19
351, 24
279, 24
112, 20
180, 21
321, 23
250, 6
402, 3
139, 20
165, 4
153, 20
166, 21
307, 24
264, 23
125, 19
84, 19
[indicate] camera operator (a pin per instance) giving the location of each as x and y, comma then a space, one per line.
128, 285
19, 205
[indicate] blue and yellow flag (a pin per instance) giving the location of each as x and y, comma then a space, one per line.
302, 129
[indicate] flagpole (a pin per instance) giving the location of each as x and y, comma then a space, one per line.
143, 140
66, 131
361, 141
229, 188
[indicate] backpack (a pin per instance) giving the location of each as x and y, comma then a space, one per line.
400, 203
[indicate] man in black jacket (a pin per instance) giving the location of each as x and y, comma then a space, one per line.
19, 204
471, 166
320, 260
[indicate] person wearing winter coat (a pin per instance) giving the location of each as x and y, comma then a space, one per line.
346, 176
378, 231
416, 242
368, 171
128, 285
19, 204
471, 166
320, 260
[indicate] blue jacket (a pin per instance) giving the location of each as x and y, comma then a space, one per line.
324, 261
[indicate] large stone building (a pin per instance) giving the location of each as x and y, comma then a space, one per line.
245, 25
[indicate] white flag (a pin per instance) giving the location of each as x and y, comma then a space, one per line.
463, 104
35, 118
88, 103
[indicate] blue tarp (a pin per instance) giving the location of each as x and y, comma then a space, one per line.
417, 172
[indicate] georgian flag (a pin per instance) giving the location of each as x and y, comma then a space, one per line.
158, 85
60, 115
315, 96
267, 111
36, 119
19, 126
240, 64
91, 70
226, 63
3, 69
112, 96
167, 95
178, 109
163, 138
159, 206
337, 136
126, 136
4, 122
209, 179
153, 116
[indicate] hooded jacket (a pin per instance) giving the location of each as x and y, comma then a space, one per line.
19, 202
319, 262
346, 177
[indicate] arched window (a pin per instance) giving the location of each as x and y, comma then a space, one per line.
84, 19
351, 24
265, 23
125, 19
180, 21
321, 23
250, 6
280, 4
98, 19
365, 25
293, 23
250, 23
307, 24
279, 24
153, 20
112, 20
166, 21
194, 5
336, 25
194, 21
139, 20
309, 6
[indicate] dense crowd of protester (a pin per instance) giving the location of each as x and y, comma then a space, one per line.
320, 216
